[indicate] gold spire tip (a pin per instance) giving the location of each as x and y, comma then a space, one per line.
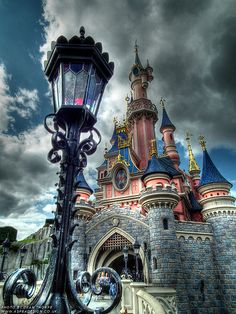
202, 142
188, 137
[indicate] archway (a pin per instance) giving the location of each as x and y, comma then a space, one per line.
108, 252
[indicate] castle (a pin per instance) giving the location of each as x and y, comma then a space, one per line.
185, 223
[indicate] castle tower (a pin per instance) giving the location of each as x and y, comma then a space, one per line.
141, 113
158, 199
167, 129
84, 212
220, 211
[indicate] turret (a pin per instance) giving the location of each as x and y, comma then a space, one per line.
84, 212
141, 113
158, 199
219, 210
167, 129
213, 185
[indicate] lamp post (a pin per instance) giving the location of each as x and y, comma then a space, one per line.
136, 247
78, 72
23, 250
126, 254
5, 245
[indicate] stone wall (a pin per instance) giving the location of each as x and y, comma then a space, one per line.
130, 221
224, 245
197, 288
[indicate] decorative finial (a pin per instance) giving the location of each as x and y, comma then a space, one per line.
115, 121
193, 166
188, 137
127, 99
82, 32
153, 148
136, 47
202, 142
162, 102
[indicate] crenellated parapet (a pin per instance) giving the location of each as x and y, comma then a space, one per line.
85, 210
159, 197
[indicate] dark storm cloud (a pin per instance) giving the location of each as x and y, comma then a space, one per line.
25, 174
172, 9
223, 65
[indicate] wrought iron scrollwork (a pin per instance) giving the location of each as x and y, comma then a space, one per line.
58, 290
21, 283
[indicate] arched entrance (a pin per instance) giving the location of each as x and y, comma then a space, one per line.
108, 252
118, 265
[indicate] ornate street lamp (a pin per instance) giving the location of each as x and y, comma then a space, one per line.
5, 245
126, 255
136, 247
78, 71
23, 251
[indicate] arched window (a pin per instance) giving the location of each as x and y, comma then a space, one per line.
105, 173
165, 224
171, 136
154, 261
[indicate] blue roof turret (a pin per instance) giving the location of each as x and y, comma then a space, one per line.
210, 174
81, 182
166, 120
154, 165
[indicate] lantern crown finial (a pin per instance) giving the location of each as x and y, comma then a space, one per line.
82, 32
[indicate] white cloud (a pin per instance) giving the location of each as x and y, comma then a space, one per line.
6, 100
49, 208
28, 101
23, 103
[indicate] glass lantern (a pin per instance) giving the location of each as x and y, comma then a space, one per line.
77, 84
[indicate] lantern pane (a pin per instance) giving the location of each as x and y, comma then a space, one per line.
81, 83
97, 94
69, 88
91, 90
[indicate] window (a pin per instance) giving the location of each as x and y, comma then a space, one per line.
75, 274
165, 224
154, 260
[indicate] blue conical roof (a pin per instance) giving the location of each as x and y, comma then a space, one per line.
166, 120
210, 174
154, 166
81, 182
195, 206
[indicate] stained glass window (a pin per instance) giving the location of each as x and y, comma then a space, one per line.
69, 88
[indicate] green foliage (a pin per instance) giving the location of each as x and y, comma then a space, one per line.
7, 232
15, 246
38, 262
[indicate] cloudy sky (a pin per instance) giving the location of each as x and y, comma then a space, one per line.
190, 44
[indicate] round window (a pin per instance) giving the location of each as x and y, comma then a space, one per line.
121, 178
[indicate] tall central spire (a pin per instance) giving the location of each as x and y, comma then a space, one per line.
141, 113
